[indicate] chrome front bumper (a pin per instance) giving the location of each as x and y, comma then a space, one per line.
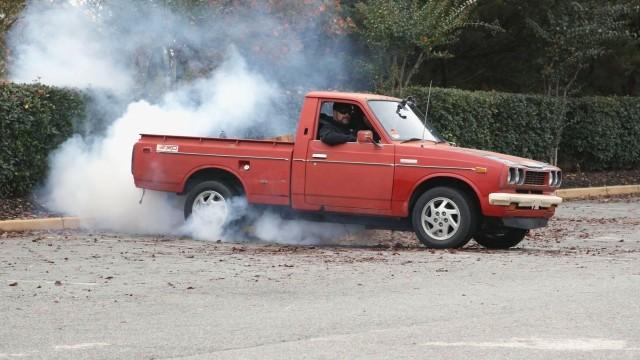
532, 201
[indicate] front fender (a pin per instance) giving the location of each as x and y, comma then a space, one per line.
440, 179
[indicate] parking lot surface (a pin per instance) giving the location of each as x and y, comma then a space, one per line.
569, 291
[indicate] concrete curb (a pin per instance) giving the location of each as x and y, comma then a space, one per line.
581, 193
63, 223
55, 223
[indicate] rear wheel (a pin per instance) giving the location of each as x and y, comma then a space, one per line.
209, 198
502, 238
443, 217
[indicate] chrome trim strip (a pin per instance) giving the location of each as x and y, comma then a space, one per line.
349, 162
226, 156
383, 164
438, 167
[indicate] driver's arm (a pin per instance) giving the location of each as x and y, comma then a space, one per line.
331, 136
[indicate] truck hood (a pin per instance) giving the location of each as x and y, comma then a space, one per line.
503, 159
508, 160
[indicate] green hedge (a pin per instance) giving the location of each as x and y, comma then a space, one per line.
34, 119
603, 133
595, 134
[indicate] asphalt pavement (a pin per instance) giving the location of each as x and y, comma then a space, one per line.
569, 291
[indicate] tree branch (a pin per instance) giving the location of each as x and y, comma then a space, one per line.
415, 68
575, 76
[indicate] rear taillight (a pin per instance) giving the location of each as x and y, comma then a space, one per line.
133, 154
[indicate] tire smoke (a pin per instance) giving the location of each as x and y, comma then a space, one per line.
70, 44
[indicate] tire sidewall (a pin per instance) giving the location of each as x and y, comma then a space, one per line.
209, 185
509, 239
467, 218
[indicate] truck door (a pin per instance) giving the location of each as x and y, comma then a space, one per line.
349, 176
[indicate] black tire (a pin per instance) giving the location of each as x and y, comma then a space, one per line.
203, 187
502, 238
442, 234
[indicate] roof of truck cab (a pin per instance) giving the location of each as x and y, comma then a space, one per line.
349, 96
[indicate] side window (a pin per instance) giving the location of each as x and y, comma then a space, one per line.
326, 108
326, 115
356, 118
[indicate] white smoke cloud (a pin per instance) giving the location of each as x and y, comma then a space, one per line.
90, 175
61, 45
272, 228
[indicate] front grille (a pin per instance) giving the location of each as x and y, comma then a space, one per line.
520, 191
534, 178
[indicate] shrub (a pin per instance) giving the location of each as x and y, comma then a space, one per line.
34, 119
602, 133
596, 134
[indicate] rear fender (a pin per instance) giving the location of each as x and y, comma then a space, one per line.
230, 172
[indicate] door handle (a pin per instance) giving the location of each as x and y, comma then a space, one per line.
319, 156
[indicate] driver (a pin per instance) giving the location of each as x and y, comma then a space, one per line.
337, 129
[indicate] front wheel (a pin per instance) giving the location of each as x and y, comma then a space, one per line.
444, 217
502, 238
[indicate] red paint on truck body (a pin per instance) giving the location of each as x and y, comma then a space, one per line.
353, 178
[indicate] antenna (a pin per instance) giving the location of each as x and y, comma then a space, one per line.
426, 113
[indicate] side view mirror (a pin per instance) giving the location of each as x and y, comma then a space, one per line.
365, 136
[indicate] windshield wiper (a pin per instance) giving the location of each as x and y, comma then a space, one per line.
408, 140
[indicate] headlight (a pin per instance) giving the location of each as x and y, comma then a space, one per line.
515, 176
555, 178
512, 178
520, 176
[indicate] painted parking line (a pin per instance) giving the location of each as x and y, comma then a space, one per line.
80, 346
14, 355
542, 344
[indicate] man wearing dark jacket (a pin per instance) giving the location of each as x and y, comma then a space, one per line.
337, 129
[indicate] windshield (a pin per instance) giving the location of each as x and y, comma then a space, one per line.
405, 124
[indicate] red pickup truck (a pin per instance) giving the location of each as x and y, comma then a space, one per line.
398, 169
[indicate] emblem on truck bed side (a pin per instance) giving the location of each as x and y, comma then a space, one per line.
166, 148
408, 161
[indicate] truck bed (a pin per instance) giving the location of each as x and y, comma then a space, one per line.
167, 163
